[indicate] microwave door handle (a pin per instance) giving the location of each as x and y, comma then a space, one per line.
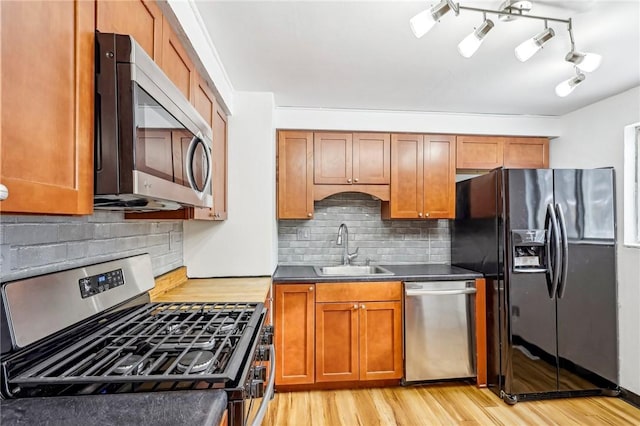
189, 165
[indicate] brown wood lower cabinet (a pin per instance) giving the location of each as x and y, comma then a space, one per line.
357, 331
294, 326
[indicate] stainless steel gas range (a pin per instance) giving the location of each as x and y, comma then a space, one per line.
93, 331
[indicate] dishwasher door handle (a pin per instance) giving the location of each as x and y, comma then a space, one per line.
410, 293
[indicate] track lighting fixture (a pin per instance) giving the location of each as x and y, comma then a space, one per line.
531, 46
567, 86
425, 20
470, 44
509, 11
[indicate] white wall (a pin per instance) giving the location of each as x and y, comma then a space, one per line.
425, 122
246, 243
593, 137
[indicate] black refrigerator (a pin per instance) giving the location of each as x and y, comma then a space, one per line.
545, 241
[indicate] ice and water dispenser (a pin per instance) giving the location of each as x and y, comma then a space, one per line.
529, 250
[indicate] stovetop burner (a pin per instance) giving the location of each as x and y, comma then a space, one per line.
127, 363
195, 362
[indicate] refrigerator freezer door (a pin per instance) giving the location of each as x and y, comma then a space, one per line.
530, 364
587, 318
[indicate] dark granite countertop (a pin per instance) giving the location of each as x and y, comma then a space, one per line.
188, 407
416, 272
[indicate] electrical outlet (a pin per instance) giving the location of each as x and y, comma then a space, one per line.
304, 234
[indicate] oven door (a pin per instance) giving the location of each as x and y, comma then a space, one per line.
260, 390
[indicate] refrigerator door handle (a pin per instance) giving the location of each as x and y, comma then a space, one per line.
565, 252
553, 262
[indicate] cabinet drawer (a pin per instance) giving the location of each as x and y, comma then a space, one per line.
358, 291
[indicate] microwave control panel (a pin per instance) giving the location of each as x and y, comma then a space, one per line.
96, 284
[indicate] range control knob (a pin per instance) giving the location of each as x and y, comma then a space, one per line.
256, 388
267, 335
263, 353
260, 372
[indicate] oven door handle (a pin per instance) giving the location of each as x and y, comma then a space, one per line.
268, 394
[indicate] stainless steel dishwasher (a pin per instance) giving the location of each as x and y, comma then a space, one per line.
439, 330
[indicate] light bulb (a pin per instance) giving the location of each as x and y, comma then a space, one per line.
425, 20
563, 89
529, 47
472, 42
422, 23
587, 62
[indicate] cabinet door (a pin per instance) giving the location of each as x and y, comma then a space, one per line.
380, 340
479, 152
337, 342
407, 183
440, 176
332, 158
220, 168
176, 63
371, 158
141, 19
294, 327
47, 106
526, 153
295, 175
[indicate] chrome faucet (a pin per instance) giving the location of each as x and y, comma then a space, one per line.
346, 256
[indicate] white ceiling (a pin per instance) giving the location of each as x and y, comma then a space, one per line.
363, 55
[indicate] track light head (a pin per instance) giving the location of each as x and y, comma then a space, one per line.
529, 47
470, 44
425, 20
563, 89
587, 62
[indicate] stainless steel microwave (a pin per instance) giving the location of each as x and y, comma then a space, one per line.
152, 148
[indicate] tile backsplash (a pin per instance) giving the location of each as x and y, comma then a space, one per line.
32, 245
313, 242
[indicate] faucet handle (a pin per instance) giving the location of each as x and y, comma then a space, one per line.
353, 255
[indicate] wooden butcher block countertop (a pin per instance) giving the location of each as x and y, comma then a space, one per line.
245, 289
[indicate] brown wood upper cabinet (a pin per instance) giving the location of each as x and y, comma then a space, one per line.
422, 177
351, 158
294, 326
489, 152
526, 153
176, 62
358, 331
295, 174
47, 73
140, 18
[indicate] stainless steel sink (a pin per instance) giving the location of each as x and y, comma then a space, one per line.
352, 270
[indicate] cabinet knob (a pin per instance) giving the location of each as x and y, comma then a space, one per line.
427, 214
4, 192
355, 306
348, 180
362, 307
310, 288
356, 180
420, 214
309, 214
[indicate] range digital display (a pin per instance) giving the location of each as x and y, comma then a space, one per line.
96, 284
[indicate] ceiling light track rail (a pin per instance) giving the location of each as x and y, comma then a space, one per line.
458, 6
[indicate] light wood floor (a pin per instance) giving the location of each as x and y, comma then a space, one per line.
442, 404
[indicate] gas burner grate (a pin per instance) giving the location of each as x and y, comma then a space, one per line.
156, 342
